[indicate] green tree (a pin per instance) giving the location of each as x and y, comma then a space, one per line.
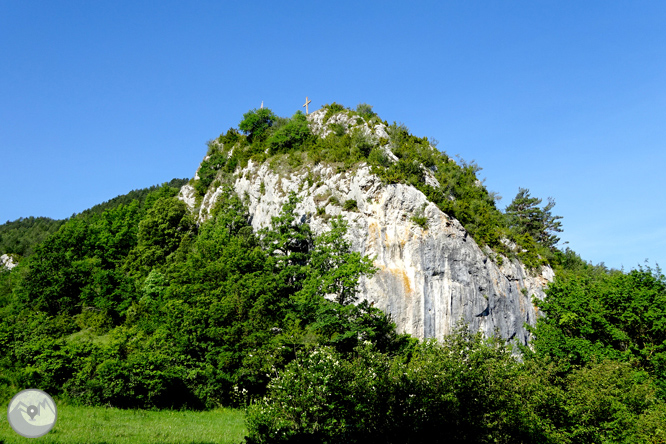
605, 315
160, 233
289, 243
526, 217
256, 122
365, 110
334, 268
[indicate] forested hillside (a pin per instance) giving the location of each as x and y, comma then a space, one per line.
140, 305
19, 237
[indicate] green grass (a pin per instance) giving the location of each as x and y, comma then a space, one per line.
79, 425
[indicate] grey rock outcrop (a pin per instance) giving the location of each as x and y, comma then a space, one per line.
428, 278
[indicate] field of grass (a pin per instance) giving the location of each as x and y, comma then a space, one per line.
96, 425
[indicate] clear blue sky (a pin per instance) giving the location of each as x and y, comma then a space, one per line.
567, 99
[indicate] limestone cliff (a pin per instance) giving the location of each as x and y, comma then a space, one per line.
429, 278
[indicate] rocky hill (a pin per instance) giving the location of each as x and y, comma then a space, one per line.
431, 271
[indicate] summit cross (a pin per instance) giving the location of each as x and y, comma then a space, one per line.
306, 105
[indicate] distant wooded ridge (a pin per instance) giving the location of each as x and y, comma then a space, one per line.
20, 236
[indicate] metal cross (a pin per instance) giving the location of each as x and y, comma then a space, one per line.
306, 105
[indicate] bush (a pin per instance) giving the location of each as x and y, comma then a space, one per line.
292, 134
208, 171
338, 129
365, 111
419, 217
332, 109
321, 397
350, 205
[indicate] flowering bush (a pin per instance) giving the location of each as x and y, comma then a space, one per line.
457, 391
322, 395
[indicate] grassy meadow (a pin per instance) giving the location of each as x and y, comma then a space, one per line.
79, 425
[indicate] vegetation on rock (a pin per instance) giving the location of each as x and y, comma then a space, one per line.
524, 230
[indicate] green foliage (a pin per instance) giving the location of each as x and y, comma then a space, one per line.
459, 391
350, 205
256, 122
610, 402
21, 236
338, 129
335, 269
379, 158
292, 134
229, 139
332, 109
526, 218
606, 315
419, 218
463, 390
140, 195
365, 111
160, 233
208, 171
76, 267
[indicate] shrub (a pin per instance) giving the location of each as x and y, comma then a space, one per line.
419, 218
229, 139
332, 109
338, 129
350, 205
365, 111
291, 135
379, 158
208, 171
322, 397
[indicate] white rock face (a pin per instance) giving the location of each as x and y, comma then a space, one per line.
428, 279
7, 261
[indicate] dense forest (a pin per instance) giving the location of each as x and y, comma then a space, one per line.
140, 305
19, 237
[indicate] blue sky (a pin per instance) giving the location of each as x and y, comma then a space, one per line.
567, 99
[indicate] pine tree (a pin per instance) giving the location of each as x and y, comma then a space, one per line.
526, 217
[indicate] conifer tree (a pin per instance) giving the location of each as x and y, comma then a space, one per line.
526, 217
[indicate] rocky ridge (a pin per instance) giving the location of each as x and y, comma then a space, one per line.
430, 276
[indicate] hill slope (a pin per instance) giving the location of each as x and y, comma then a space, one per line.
20, 237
